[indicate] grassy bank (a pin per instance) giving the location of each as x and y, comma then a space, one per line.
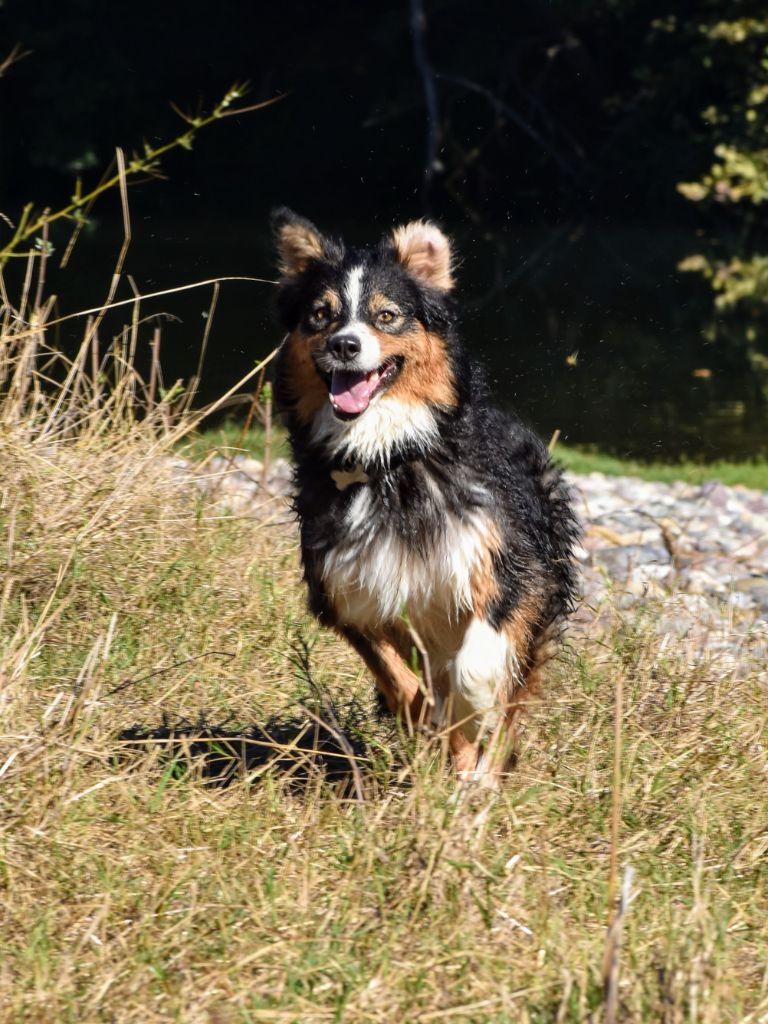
747, 474
230, 437
137, 890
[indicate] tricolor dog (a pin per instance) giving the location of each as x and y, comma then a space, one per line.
427, 516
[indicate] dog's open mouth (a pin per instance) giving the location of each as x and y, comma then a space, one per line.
351, 391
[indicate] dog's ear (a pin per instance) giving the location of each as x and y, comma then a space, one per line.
299, 242
425, 252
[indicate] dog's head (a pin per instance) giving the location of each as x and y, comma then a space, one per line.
368, 329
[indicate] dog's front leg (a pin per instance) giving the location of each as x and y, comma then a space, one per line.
398, 684
484, 676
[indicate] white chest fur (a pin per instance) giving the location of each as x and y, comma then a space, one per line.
373, 577
387, 424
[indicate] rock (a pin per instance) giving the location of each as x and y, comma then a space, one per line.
251, 467
684, 614
618, 562
759, 594
749, 582
715, 493
698, 581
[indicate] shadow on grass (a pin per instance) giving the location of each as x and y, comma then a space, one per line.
319, 742
300, 749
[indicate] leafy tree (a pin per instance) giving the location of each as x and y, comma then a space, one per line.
739, 177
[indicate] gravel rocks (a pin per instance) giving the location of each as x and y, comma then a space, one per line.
710, 540
245, 486
695, 557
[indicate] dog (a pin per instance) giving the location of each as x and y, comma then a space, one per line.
429, 520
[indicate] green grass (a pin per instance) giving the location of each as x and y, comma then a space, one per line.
229, 438
748, 474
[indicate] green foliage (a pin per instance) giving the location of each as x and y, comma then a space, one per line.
740, 175
734, 280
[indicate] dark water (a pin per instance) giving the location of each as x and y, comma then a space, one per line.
591, 331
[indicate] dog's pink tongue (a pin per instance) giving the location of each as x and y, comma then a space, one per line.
351, 390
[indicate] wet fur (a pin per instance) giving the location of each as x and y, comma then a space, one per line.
430, 502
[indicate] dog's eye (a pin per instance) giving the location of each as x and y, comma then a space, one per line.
386, 316
321, 315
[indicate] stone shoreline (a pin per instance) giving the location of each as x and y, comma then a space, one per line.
696, 554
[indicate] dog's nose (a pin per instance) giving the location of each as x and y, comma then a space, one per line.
344, 346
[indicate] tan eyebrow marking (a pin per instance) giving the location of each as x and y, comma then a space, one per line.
380, 301
329, 298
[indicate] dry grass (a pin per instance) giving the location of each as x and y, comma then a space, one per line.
135, 890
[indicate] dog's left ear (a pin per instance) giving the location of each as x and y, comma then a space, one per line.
425, 252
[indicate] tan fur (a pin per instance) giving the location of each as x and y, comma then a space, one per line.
425, 252
426, 375
297, 245
308, 390
481, 762
464, 752
485, 587
522, 627
380, 301
485, 760
439, 633
331, 299
503, 745
399, 686
386, 654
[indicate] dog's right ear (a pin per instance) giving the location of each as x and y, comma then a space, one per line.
299, 242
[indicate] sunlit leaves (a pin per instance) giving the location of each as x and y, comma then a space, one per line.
740, 175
